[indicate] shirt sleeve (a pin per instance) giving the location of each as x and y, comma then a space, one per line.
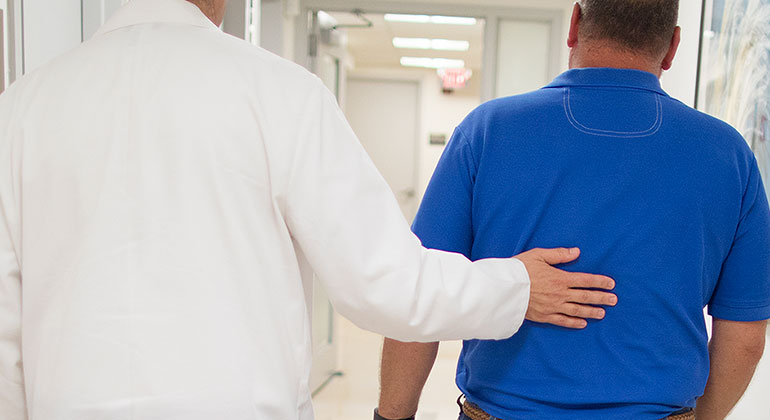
743, 289
445, 219
348, 224
12, 396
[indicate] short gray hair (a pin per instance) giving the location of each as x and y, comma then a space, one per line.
635, 25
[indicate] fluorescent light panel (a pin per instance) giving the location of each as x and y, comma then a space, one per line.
432, 63
439, 20
450, 45
390, 17
431, 44
453, 20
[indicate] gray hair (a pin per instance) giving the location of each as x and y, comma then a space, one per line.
635, 25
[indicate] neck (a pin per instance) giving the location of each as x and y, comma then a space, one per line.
208, 8
613, 58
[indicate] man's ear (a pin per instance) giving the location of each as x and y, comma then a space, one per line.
668, 60
574, 26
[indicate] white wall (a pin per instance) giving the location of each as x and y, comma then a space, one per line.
754, 405
238, 18
679, 82
96, 12
441, 114
278, 26
51, 28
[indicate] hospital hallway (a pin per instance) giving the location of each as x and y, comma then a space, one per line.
405, 74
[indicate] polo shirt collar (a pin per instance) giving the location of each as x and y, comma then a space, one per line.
608, 77
138, 12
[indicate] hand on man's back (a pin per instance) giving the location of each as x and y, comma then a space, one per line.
563, 298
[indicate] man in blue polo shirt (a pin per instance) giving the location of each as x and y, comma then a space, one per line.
667, 201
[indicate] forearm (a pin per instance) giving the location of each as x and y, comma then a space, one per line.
405, 368
735, 350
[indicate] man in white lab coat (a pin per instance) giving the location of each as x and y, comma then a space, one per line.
166, 192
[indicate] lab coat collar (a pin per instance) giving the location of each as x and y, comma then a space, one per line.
138, 12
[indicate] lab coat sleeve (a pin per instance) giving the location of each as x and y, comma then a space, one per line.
12, 396
345, 218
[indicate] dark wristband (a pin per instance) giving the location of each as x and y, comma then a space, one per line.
377, 416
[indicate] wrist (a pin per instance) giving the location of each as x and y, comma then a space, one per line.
377, 416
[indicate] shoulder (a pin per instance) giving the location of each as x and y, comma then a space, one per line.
512, 114
261, 62
518, 105
710, 133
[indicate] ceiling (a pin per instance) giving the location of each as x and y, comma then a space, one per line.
373, 47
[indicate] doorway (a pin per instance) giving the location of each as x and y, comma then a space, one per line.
406, 74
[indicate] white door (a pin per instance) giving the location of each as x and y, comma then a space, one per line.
523, 56
385, 116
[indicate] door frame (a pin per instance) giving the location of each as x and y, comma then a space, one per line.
14, 41
491, 14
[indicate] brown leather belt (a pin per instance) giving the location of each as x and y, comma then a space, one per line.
690, 415
474, 412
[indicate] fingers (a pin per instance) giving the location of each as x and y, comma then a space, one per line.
583, 311
557, 255
589, 281
566, 321
591, 297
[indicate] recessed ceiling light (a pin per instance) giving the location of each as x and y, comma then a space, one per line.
390, 17
453, 20
431, 44
413, 43
440, 20
432, 63
450, 45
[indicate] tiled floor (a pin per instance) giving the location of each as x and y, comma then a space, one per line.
354, 395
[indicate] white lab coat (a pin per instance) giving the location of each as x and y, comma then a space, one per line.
166, 192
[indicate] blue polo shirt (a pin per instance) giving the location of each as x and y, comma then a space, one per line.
666, 200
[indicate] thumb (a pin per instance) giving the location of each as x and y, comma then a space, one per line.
558, 255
